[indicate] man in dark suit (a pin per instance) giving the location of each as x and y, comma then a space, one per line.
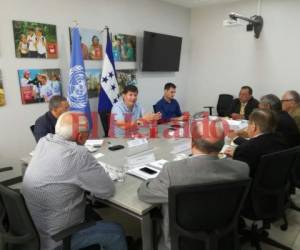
291, 104
46, 123
286, 126
242, 107
263, 140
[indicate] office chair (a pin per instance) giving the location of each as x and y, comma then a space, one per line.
154, 108
17, 230
32, 129
267, 199
4, 169
224, 104
205, 216
295, 179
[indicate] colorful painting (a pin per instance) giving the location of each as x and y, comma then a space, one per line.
126, 77
35, 40
90, 44
124, 48
93, 77
39, 85
2, 96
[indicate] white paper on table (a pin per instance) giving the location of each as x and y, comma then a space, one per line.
159, 163
237, 124
213, 117
179, 157
94, 143
140, 159
182, 147
91, 149
98, 155
137, 142
141, 174
31, 153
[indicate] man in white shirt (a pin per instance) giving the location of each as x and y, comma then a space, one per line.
54, 186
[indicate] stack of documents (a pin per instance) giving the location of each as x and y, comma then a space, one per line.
92, 145
237, 125
148, 171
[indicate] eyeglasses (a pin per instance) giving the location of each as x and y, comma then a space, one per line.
286, 100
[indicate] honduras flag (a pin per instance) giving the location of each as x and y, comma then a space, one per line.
109, 93
77, 90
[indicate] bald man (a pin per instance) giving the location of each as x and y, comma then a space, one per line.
291, 103
203, 166
55, 182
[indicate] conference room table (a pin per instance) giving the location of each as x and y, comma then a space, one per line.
126, 198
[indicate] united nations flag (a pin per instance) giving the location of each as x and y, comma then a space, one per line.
77, 90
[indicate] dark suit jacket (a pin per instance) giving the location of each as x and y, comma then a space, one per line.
236, 106
288, 129
44, 125
251, 150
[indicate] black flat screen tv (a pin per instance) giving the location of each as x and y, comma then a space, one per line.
161, 52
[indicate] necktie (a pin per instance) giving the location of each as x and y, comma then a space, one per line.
242, 110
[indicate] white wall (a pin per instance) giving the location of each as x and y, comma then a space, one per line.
223, 59
124, 16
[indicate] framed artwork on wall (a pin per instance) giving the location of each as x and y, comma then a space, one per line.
2, 95
35, 40
93, 77
91, 44
124, 48
39, 85
126, 77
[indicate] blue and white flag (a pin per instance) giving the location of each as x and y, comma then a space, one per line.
77, 90
109, 93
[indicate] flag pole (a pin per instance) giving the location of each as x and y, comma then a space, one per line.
105, 28
75, 23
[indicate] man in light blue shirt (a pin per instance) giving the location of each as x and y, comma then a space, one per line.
127, 114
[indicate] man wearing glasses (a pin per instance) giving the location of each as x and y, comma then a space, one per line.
291, 103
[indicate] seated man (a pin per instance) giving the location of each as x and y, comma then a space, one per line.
46, 123
291, 104
203, 167
263, 140
242, 107
168, 106
55, 182
127, 114
286, 126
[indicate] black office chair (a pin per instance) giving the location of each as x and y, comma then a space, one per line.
267, 199
154, 108
32, 129
295, 179
224, 104
4, 169
205, 216
17, 230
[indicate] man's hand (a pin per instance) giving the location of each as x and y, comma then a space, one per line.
236, 116
152, 116
232, 134
229, 151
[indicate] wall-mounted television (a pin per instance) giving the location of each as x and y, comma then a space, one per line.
161, 52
